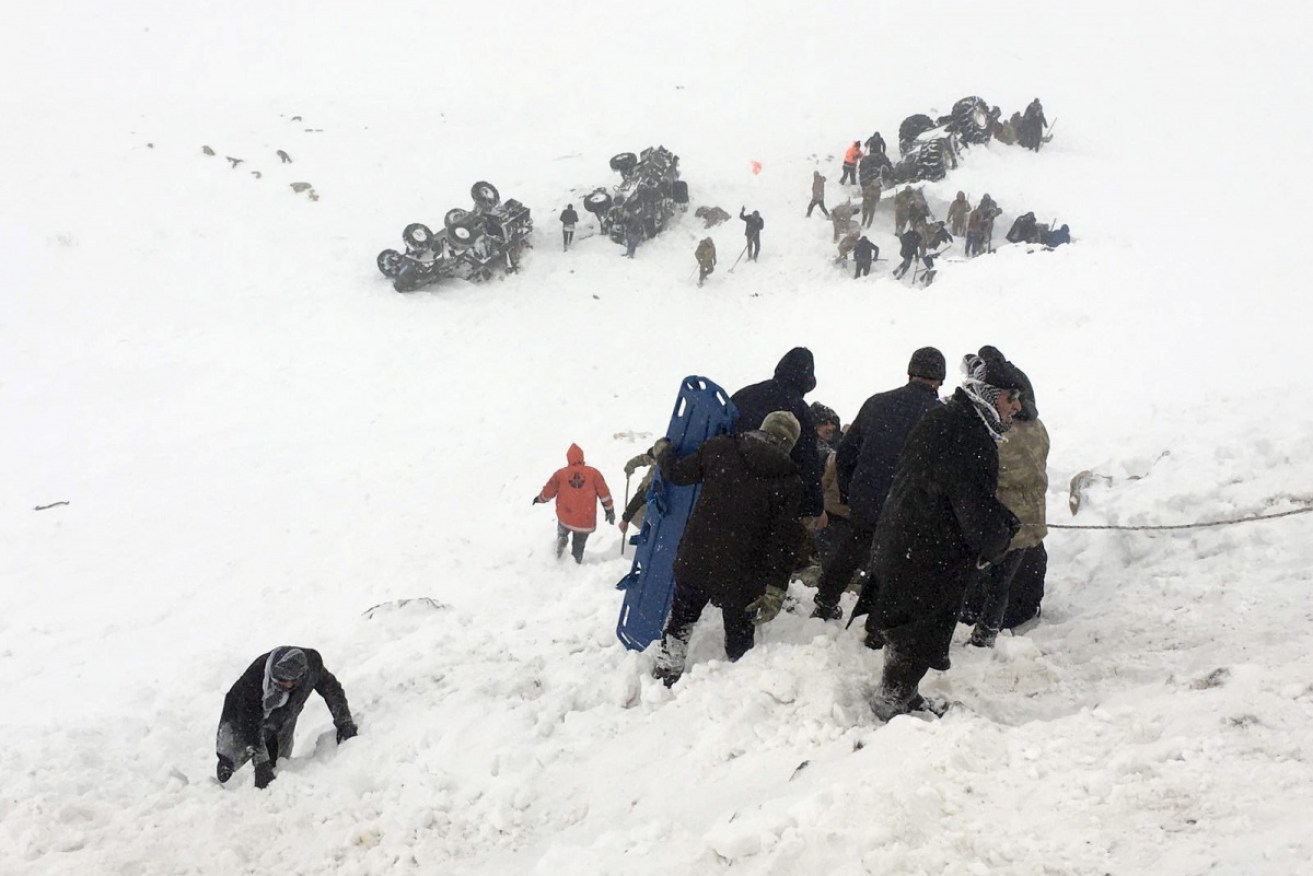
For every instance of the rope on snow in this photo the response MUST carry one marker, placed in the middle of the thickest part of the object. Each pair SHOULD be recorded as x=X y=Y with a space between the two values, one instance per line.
x=1229 y=522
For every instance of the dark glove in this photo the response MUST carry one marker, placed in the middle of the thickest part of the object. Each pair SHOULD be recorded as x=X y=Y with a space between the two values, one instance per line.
x=264 y=774
x=345 y=732
x=538 y=500
x=764 y=608
x=224 y=770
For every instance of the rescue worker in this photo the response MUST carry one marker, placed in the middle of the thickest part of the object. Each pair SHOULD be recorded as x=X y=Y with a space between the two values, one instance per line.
x=706 y=257
x=577 y=489
x=957 y=214
x=818 y=195
x=569 y=219
x=850 y=159
x=870 y=199
x=864 y=253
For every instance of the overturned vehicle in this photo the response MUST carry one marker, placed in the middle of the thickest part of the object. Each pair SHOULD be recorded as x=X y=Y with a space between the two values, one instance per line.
x=930 y=147
x=472 y=244
x=649 y=195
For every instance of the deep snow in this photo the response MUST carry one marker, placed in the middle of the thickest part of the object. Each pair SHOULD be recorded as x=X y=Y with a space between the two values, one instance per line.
x=259 y=440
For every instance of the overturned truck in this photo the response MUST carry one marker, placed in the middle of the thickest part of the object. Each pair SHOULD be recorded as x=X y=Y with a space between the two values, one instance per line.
x=930 y=146
x=472 y=244
x=649 y=195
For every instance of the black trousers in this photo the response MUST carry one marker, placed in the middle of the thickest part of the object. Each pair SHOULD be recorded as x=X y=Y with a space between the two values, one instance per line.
x=863 y=269
x=851 y=552
x=567 y=235
x=849 y=174
x=687 y=607
x=754 y=246
x=817 y=203
x=901 y=679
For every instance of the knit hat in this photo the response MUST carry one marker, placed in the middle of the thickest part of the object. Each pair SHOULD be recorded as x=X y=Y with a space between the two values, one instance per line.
x=289 y=666
x=782 y=425
x=985 y=381
x=823 y=414
x=928 y=363
x=1029 y=410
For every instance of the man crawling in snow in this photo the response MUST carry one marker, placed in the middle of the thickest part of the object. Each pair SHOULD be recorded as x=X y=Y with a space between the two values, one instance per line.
x=260 y=710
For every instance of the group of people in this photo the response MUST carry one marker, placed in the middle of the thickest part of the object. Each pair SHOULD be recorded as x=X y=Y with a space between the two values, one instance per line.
x=936 y=507
x=1025 y=129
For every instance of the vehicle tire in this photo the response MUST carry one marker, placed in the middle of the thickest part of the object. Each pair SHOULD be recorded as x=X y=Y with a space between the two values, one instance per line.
x=390 y=262
x=465 y=232
x=598 y=202
x=930 y=164
x=911 y=128
x=971 y=121
x=417 y=236
x=455 y=216
x=623 y=162
x=485 y=195
x=679 y=191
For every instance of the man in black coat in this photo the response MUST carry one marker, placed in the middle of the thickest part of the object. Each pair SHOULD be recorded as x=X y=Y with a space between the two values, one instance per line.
x=740 y=542
x=795 y=376
x=569 y=219
x=940 y=523
x=864 y=252
x=260 y=710
x=909 y=248
x=865 y=467
x=752 y=226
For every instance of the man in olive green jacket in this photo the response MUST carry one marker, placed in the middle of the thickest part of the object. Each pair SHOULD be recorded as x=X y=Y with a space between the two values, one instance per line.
x=1023 y=484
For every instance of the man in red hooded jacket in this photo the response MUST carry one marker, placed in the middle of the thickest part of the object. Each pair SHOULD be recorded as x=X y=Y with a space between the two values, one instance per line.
x=577 y=489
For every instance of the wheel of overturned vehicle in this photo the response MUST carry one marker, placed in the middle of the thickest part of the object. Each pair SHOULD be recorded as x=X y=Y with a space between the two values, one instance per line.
x=930 y=161
x=597 y=202
x=417 y=235
x=623 y=162
x=463 y=233
x=455 y=216
x=971 y=121
x=485 y=195
x=390 y=262
x=911 y=128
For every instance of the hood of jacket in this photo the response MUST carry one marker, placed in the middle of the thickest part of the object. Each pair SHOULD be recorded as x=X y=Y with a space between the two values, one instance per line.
x=798 y=370
x=765 y=455
x=575 y=455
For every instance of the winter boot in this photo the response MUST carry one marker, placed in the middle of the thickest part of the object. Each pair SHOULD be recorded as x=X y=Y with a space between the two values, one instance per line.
x=888 y=705
x=827 y=611
x=670 y=660
x=933 y=705
x=982 y=636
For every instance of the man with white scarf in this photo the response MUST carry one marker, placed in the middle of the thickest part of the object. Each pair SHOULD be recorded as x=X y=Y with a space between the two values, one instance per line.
x=260 y=710
x=940 y=523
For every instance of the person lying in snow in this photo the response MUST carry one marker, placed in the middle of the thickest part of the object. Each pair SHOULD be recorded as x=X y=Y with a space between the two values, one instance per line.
x=261 y=708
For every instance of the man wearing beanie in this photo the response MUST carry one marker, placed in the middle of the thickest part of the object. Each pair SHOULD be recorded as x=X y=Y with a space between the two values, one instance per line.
x=738 y=548
x=794 y=377
x=865 y=465
x=1008 y=593
x=260 y=710
x=940 y=522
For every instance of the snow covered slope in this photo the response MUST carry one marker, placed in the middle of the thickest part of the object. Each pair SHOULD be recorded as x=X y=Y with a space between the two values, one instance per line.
x=259 y=440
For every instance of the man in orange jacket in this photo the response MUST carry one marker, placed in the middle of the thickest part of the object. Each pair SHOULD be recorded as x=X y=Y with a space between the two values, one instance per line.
x=850 y=159
x=577 y=489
